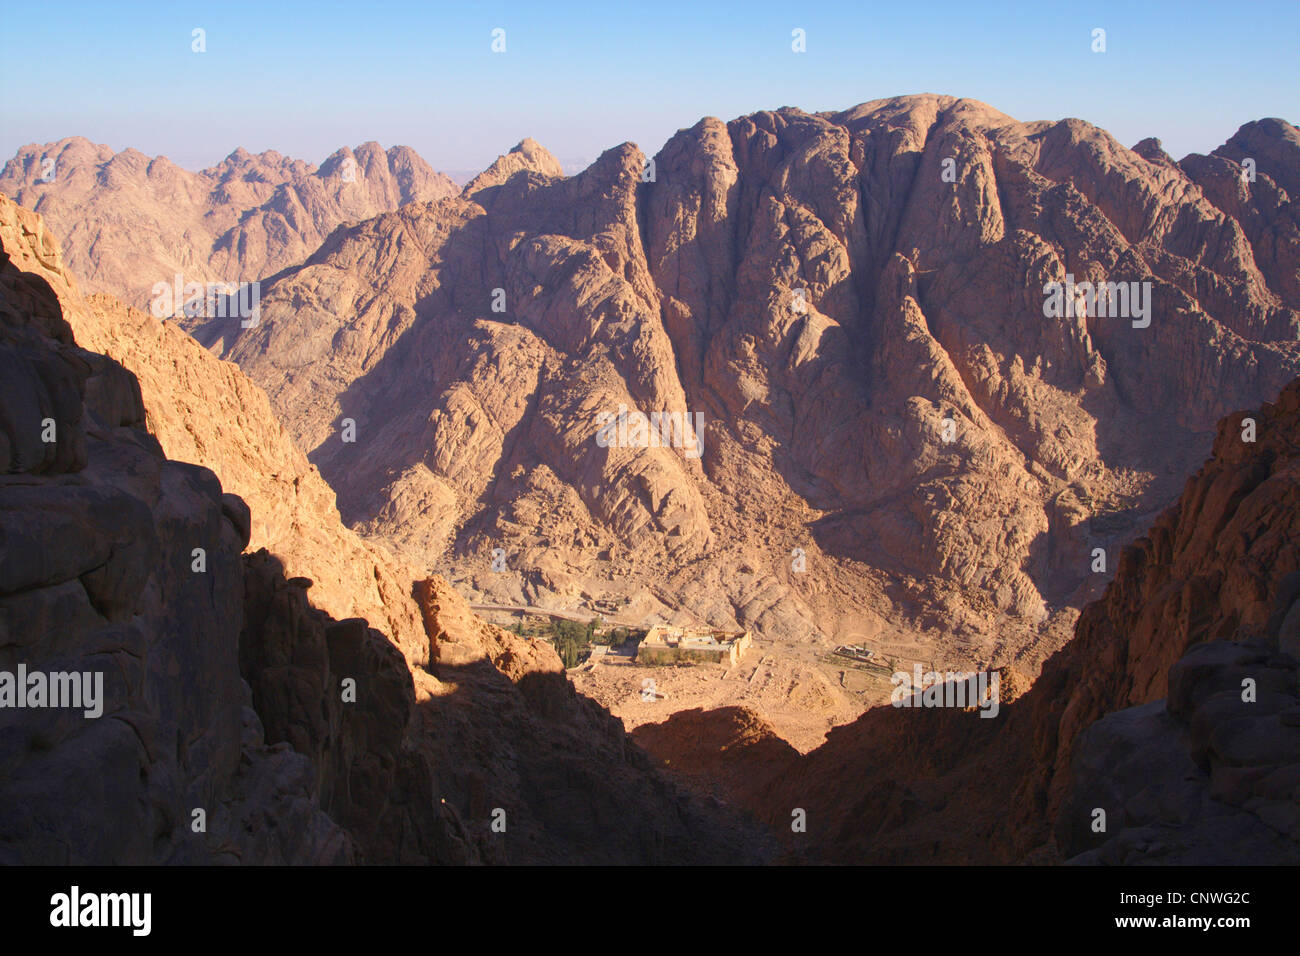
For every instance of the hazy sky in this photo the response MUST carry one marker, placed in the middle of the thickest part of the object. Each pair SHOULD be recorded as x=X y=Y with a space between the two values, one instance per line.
x=307 y=78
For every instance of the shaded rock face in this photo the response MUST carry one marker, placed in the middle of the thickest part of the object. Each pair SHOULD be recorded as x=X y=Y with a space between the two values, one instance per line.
x=205 y=411
x=97 y=576
x=854 y=304
x=128 y=221
x=301 y=737
x=1174 y=710
x=1222 y=566
x=335 y=691
x=1208 y=776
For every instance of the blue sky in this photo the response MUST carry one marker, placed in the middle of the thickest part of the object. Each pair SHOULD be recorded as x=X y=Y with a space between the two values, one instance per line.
x=306 y=78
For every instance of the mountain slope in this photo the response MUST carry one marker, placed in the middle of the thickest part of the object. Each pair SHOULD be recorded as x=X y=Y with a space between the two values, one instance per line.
x=897 y=440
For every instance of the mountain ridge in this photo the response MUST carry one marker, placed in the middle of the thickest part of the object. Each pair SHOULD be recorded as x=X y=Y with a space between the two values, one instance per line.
x=129 y=220
x=922 y=301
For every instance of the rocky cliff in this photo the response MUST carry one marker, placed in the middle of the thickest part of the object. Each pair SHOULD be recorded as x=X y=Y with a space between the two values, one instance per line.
x=1199 y=638
x=1167 y=731
x=128 y=221
x=899 y=432
x=238 y=721
x=121 y=563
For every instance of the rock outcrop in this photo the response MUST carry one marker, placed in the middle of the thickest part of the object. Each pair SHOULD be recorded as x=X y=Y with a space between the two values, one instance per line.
x=206 y=411
x=238 y=722
x=128 y=221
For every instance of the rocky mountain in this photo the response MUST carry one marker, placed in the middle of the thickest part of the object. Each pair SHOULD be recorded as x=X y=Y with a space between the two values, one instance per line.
x=941 y=365
x=128 y=221
x=1174 y=711
x=235 y=720
x=939 y=375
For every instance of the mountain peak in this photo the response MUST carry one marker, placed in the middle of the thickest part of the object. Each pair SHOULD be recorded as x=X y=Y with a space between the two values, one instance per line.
x=527 y=155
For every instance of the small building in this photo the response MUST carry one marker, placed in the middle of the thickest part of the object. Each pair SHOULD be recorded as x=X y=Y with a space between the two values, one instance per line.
x=667 y=644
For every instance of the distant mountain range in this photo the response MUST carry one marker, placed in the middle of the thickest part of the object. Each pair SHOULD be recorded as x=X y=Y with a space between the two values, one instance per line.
x=129 y=221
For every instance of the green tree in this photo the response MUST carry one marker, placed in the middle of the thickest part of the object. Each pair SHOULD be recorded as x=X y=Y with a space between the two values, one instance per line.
x=569 y=651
